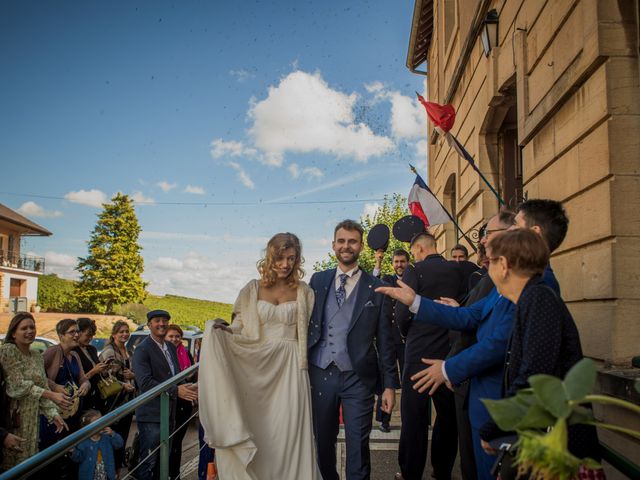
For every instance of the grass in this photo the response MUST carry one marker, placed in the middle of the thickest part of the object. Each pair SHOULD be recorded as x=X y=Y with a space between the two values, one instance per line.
x=189 y=311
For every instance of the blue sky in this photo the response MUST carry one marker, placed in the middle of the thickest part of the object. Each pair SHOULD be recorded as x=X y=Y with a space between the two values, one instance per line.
x=263 y=103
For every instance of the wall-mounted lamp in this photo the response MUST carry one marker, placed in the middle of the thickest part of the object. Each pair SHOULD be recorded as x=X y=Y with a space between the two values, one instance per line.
x=489 y=34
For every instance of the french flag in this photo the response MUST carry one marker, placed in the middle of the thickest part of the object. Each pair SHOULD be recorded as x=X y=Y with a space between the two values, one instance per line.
x=424 y=204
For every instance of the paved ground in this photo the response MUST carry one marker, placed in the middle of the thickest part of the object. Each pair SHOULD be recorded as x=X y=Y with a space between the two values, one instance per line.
x=384 y=453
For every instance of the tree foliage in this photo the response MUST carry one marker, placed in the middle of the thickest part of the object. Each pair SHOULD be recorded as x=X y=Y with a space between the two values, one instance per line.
x=57 y=294
x=392 y=209
x=111 y=274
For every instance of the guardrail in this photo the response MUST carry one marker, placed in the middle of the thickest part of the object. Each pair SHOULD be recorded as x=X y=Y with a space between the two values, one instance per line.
x=43 y=458
x=11 y=259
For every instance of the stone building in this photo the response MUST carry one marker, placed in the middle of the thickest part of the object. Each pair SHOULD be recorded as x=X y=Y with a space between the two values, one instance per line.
x=547 y=98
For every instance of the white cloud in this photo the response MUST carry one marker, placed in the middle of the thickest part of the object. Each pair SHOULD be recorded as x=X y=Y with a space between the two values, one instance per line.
x=221 y=148
x=303 y=114
x=294 y=170
x=340 y=182
x=166 y=186
x=374 y=87
x=61 y=264
x=243 y=176
x=32 y=209
x=140 y=199
x=92 y=198
x=241 y=75
x=370 y=210
x=422 y=150
x=308 y=172
x=194 y=190
x=199 y=276
x=408 y=119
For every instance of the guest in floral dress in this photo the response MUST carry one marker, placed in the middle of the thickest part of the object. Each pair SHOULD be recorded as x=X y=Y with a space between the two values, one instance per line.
x=27 y=388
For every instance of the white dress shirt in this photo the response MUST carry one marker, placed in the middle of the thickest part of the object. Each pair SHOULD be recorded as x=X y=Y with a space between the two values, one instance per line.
x=353 y=276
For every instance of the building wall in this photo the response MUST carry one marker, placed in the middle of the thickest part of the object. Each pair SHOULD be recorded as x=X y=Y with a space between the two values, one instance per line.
x=5 y=284
x=572 y=69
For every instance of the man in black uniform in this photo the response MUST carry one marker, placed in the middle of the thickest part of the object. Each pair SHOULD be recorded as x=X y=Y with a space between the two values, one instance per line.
x=433 y=277
x=399 y=261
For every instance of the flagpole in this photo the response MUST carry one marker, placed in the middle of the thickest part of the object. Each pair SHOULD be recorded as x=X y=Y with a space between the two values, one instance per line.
x=477 y=169
x=464 y=235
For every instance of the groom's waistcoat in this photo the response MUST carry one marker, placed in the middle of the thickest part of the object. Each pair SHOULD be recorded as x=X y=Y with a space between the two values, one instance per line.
x=332 y=346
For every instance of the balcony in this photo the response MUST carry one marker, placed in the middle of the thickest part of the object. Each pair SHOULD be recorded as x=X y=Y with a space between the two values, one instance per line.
x=11 y=259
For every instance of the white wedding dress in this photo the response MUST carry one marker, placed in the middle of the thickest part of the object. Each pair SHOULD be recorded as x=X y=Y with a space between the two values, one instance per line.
x=255 y=400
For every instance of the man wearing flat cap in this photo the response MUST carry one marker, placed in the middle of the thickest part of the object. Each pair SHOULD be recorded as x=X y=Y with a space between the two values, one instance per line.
x=154 y=362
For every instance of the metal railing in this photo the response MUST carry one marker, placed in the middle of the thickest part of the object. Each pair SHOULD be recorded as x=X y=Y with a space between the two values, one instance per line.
x=43 y=458
x=11 y=259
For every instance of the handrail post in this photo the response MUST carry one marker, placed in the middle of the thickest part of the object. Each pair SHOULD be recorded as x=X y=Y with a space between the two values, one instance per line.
x=164 y=435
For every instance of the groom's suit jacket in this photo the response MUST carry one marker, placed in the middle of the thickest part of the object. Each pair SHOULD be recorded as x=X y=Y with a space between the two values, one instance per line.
x=369 y=333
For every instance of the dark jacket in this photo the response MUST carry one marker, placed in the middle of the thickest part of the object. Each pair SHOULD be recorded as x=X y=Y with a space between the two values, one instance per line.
x=369 y=333
x=544 y=340
x=151 y=369
x=389 y=311
x=432 y=278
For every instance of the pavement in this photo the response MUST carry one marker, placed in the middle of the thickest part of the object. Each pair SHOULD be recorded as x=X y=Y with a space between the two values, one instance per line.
x=384 y=452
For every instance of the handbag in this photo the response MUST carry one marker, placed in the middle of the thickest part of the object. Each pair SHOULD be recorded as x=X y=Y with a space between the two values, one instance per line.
x=71 y=389
x=108 y=386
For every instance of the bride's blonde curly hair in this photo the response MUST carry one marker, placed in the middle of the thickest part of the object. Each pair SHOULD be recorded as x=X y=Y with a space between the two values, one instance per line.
x=275 y=248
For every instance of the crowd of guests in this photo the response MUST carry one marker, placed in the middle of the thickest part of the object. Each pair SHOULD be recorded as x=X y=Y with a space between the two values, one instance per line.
x=45 y=397
x=508 y=322
x=461 y=332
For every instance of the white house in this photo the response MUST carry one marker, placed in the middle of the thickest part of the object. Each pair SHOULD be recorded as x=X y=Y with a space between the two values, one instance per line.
x=18 y=273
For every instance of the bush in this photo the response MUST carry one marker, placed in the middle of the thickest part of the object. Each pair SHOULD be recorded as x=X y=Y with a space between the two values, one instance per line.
x=133 y=311
x=57 y=294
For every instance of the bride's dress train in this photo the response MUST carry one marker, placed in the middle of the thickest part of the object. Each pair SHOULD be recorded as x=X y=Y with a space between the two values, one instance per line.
x=255 y=400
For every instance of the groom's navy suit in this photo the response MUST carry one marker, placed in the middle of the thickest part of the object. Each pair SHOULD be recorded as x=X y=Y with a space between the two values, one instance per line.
x=344 y=344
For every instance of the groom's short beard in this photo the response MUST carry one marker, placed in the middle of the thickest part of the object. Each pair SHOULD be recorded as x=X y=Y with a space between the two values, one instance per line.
x=354 y=260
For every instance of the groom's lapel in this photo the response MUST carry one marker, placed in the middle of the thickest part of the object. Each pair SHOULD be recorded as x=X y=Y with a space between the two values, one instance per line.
x=363 y=292
x=324 y=290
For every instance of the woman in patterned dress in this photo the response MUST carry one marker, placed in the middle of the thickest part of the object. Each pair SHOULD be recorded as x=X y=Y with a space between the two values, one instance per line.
x=27 y=388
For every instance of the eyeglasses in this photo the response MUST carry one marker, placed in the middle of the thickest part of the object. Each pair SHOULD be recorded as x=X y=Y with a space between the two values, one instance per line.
x=488 y=232
x=72 y=332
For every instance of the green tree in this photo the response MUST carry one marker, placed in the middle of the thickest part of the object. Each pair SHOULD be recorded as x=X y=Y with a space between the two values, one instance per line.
x=392 y=209
x=111 y=274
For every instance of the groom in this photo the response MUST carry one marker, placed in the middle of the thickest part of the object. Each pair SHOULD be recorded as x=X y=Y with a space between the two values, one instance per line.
x=347 y=332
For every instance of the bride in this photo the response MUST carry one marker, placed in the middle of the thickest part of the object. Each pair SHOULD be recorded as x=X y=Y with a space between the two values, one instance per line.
x=255 y=401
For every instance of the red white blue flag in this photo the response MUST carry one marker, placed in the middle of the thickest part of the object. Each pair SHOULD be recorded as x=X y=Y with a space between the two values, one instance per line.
x=424 y=204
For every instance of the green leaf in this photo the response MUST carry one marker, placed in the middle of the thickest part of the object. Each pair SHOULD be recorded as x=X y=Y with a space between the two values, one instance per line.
x=580 y=380
x=551 y=394
x=580 y=415
x=507 y=412
x=536 y=417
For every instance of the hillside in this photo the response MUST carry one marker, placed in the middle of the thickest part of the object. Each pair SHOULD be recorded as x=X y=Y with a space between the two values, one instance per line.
x=57 y=295
x=189 y=311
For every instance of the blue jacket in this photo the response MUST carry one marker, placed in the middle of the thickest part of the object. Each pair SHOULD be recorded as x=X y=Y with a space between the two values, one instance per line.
x=369 y=334
x=86 y=454
x=481 y=363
